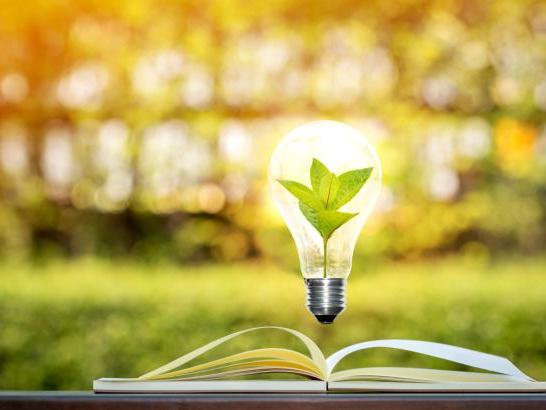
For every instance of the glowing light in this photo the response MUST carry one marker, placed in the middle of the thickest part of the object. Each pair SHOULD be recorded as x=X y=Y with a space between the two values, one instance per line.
x=119 y=185
x=153 y=72
x=250 y=65
x=443 y=183
x=83 y=87
x=57 y=157
x=439 y=92
x=338 y=80
x=324 y=255
x=14 y=87
x=111 y=157
x=198 y=89
x=168 y=64
x=171 y=159
x=235 y=143
x=211 y=198
x=235 y=186
x=380 y=72
x=341 y=148
x=14 y=150
x=111 y=152
x=506 y=90
x=475 y=138
x=439 y=148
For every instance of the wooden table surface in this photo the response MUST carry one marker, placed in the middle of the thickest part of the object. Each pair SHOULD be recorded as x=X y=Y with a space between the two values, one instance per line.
x=87 y=400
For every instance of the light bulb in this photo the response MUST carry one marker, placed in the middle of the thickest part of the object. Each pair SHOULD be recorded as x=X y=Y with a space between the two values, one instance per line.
x=321 y=175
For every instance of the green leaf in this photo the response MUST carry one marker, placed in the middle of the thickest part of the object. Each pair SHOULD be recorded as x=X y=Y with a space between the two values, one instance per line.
x=302 y=193
x=330 y=221
x=318 y=171
x=325 y=222
x=311 y=215
x=349 y=184
x=328 y=188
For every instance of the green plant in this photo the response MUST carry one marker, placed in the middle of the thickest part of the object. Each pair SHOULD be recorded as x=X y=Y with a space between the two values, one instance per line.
x=320 y=204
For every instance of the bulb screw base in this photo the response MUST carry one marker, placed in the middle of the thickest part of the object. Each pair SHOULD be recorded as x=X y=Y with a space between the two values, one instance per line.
x=325 y=298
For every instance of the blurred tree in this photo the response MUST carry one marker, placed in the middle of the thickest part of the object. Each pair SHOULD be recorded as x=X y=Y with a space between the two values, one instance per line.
x=144 y=128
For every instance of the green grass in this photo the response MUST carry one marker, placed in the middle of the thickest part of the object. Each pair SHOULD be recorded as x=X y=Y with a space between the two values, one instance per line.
x=64 y=323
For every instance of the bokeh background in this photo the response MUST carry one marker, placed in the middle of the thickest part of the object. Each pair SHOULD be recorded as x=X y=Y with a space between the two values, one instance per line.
x=135 y=221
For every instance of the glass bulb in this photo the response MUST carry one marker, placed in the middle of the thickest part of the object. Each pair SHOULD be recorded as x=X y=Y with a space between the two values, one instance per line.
x=325 y=264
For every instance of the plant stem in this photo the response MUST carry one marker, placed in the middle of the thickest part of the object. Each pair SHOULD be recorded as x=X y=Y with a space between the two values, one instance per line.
x=325 y=258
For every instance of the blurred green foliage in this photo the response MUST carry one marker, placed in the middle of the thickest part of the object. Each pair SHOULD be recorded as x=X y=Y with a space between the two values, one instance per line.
x=144 y=128
x=63 y=324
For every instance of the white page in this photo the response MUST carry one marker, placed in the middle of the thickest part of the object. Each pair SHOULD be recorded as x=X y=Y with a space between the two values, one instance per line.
x=455 y=354
x=501 y=387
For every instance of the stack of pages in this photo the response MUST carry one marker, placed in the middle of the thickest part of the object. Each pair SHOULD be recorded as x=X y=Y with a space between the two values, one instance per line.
x=498 y=373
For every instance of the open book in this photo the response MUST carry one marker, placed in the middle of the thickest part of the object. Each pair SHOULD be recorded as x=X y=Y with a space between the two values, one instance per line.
x=498 y=373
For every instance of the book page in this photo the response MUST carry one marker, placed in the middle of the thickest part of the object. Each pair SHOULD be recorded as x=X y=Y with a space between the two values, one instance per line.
x=454 y=354
x=454 y=387
x=229 y=369
x=214 y=386
x=293 y=361
x=417 y=375
x=288 y=358
x=238 y=372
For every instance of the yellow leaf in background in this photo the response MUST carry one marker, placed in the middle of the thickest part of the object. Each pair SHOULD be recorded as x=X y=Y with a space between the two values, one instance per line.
x=515 y=143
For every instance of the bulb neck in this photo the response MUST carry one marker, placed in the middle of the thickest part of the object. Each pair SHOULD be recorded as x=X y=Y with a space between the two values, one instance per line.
x=325 y=298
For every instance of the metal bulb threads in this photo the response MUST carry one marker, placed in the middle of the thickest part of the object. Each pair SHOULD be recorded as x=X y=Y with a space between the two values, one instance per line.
x=325 y=298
